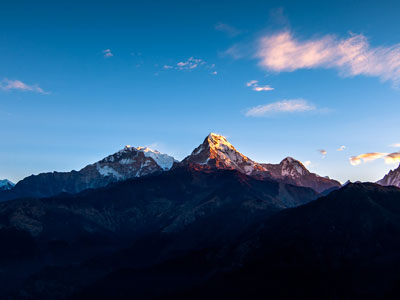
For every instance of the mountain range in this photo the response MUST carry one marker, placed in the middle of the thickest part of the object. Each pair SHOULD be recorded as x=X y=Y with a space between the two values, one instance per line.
x=139 y=224
x=214 y=153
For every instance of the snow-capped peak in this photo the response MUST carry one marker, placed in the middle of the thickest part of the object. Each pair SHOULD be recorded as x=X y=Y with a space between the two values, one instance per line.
x=163 y=160
x=292 y=167
x=217 y=152
x=6 y=184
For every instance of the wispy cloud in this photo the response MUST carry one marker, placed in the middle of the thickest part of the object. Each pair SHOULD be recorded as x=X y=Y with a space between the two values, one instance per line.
x=252 y=83
x=107 y=53
x=341 y=148
x=228 y=29
x=351 y=56
x=7 y=84
x=395 y=145
x=190 y=64
x=255 y=87
x=366 y=157
x=284 y=106
x=323 y=152
x=392 y=158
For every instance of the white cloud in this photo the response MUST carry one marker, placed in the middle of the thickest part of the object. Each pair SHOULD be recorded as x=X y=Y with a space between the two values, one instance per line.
x=190 y=63
x=351 y=56
x=255 y=87
x=341 y=148
x=228 y=29
x=307 y=163
x=262 y=88
x=7 y=84
x=252 y=83
x=284 y=106
x=395 y=145
x=214 y=73
x=107 y=53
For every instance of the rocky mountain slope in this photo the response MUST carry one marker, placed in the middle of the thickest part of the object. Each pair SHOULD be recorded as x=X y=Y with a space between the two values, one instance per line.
x=127 y=163
x=392 y=178
x=343 y=246
x=293 y=171
x=203 y=208
x=217 y=153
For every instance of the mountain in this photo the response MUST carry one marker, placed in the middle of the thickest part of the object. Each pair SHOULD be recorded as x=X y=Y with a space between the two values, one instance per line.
x=342 y=246
x=293 y=171
x=184 y=209
x=129 y=162
x=392 y=178
x=217 y=153
x=6 y=184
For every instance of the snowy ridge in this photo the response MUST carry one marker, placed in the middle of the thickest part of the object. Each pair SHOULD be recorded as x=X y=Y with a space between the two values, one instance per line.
x=6 y=184
x=163 y=160
x=133 y=162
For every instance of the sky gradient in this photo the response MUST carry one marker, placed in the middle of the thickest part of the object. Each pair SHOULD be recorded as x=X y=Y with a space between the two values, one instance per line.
x=316 y=80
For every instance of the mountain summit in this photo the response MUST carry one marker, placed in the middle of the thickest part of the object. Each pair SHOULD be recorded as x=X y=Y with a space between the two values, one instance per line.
x=392 y=178
x=217 y=152
x=130 y=162
x=6 y=184
x=293 y=171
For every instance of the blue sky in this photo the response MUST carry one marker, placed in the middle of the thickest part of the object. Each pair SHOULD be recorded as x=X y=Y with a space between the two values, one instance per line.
x=78 y=81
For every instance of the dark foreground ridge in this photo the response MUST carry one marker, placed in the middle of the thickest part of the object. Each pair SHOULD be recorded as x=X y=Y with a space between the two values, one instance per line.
x=155 y=218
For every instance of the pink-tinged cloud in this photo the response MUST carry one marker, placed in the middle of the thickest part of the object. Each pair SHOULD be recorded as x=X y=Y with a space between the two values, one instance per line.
x=392 y=158
x=323 y=152
x=366 y=157
x=351 y=56
x=341 y=148
x=395 y=145
x=7 y=84
x=307 y=163
x=284 y=106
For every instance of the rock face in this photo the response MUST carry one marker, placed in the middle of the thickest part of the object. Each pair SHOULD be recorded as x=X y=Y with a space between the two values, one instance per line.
x=392 y=178
x=6 y=184
x=293 y=171
x=217 y=153
x=129 y=162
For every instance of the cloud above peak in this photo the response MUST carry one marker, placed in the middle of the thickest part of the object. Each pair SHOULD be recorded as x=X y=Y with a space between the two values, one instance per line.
x=389 y=158
x=351 y=56
x=284 y=106
x=7 y=85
